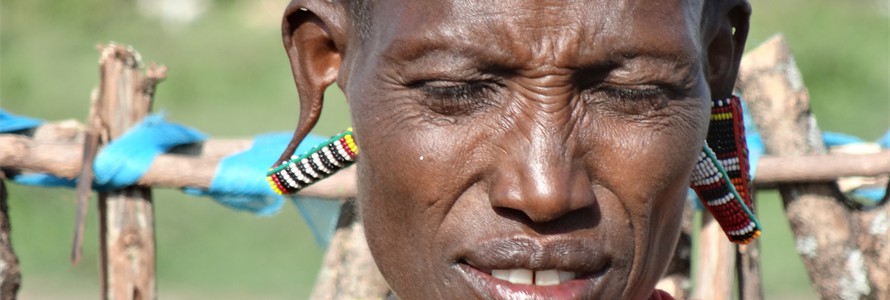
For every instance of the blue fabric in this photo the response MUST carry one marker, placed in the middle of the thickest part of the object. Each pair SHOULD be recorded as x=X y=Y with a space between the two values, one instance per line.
x=44 y=180
x=321 y=215
x=834 y=139
x=10 y=122
x=240 y=183
x=240 y=180
x=884 y=141
x=756 y=148
x=245 y=173
x=872 y=195
x=127 y=158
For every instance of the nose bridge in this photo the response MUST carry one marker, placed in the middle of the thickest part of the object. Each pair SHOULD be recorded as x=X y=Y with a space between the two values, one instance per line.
x=541 y=177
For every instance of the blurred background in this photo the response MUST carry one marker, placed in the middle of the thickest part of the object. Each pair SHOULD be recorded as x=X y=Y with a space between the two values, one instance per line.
x=229 y=77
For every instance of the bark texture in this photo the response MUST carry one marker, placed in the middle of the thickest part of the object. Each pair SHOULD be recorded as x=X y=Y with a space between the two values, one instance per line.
x=349 y=271
x=126 y=216
x=844 y=247
x=10 y=277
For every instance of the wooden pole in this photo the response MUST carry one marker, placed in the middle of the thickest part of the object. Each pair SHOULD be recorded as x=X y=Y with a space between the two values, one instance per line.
x=716 y=262
x=845 y=249
x=748 y=265
x=126 y=217
x=195 y=165
x=348 y=270
x=10 y=277
x=677 y=281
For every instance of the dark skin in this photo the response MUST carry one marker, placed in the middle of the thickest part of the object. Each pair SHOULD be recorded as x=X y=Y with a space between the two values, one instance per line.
x=532 y=135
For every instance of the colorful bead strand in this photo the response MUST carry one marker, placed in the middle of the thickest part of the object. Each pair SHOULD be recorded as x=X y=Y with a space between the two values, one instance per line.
x=720 y=178
x=318 y=163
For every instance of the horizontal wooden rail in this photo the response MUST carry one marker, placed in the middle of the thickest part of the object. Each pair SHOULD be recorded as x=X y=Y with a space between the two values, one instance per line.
x=55 y=151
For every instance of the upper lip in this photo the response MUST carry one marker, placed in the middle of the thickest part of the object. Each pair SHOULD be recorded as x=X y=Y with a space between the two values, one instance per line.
x=524 y=252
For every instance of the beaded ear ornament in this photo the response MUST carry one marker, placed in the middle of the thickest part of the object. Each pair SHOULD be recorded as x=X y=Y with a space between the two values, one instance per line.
x=318 y=163
x=720 y=178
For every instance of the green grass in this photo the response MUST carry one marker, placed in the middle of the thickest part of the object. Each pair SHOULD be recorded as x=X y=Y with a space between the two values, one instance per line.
x=843 y=51
x=229 y=77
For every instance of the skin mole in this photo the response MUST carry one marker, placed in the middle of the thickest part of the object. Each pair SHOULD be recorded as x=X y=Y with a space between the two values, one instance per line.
x=556 y=138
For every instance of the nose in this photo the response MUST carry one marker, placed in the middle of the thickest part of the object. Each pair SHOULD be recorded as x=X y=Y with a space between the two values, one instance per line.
x=540 y=179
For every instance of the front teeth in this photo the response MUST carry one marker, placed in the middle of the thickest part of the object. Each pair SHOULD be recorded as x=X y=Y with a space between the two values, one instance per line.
x=526 y=276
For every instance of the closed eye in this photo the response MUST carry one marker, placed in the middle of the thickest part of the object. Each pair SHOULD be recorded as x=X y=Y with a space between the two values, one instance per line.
x=637 y=93
x=631 y=100
x=454 y=97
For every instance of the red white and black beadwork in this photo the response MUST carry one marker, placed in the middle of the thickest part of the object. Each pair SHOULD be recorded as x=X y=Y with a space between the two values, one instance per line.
x=320 y=162
x=720 y=178
x=726 y=136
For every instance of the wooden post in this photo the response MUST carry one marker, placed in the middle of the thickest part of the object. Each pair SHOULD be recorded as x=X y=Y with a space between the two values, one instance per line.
x=349 y=271
x=748 y=265
x=748 y=271
x=844 y=248
x=716 y=262
x=10 y=278
x=126 y=217
x=676 y=281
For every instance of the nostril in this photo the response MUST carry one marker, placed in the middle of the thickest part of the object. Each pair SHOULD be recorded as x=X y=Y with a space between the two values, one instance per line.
x=513 y=214
x=541 y=195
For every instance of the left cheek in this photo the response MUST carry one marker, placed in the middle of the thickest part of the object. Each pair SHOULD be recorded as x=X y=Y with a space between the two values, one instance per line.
x=659 y=197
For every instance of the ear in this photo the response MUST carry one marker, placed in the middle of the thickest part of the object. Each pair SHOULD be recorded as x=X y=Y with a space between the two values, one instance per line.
x=726 y=30
x=315 y=39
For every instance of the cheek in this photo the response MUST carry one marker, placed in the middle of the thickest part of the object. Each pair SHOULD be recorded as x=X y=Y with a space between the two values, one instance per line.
x=410 y=173
x=647 y=167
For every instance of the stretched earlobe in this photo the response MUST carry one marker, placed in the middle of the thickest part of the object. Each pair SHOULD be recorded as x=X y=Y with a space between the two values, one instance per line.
x=313 y=34
x=726 y=45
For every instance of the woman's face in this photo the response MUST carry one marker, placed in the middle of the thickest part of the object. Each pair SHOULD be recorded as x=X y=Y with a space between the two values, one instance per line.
x=526 y=149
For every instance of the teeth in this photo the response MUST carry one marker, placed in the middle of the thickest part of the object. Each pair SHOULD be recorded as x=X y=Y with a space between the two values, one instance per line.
x=566 y=276
x=526 y=276
x=521 y=276
x=547 y=277
x=501 y=274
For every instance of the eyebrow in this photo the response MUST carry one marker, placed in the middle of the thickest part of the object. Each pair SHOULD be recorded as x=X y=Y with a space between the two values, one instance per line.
x=412 y=50
x=430 y=50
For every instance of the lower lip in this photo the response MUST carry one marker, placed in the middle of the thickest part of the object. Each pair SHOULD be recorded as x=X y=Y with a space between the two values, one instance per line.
x=579 y=288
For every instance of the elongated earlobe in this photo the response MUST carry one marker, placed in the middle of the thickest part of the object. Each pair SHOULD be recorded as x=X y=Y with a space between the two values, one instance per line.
x=313 y=38
x=728 y=31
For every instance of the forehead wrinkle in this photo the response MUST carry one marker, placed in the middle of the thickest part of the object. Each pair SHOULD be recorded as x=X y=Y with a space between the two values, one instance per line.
x=674 y=36
x=497 y=35
x=552 y=33
x=415 y=37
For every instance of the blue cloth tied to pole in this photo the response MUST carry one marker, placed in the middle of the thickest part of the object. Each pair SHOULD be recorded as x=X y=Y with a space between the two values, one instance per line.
x=240 y=183
x=126 y=159
x=12 y=123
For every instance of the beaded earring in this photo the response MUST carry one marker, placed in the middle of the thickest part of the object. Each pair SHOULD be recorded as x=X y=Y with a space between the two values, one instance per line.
x=721 y=178
x=323 y=160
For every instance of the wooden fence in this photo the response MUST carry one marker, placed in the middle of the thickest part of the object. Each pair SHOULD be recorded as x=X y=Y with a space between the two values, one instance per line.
x=852 y=259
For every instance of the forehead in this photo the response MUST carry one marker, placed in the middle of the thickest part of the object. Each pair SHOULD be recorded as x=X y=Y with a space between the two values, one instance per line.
x=562 y=33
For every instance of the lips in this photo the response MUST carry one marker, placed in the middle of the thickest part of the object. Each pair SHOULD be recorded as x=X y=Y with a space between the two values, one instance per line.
x=528 y=268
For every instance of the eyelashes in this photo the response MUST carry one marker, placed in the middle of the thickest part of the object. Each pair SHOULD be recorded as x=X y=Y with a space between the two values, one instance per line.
x=637 y=93
x=454 y=98
x=457 y=92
